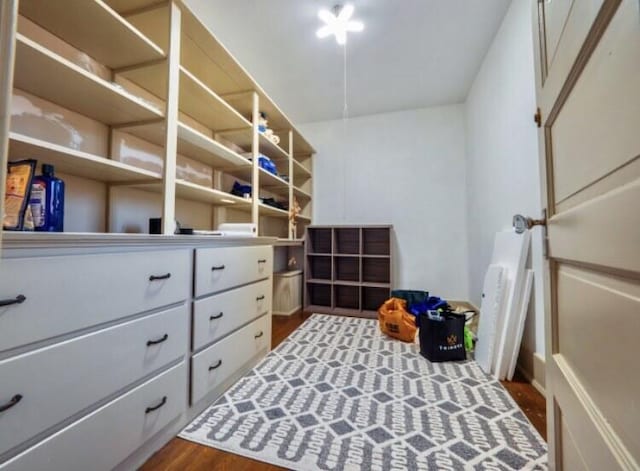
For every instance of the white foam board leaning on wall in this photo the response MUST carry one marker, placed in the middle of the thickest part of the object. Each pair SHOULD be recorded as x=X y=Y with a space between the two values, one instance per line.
x=490 y=311
x=513 y=342
x=509 y=250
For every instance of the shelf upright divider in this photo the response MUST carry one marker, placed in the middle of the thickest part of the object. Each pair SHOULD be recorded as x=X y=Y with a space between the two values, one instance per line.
x=255 y=153
x=361 y=268
x=171 y=121
x=292 y=232
x=8 y=25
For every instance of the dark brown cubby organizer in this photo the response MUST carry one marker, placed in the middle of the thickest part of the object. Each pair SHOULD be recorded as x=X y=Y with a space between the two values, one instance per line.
x=319 y=241
x=319 y=267
x=347 y=297
x=372 y=298
x=348 y=269
x=319 y=294
x=347 y=241
x=376 y=241
x=376 y=270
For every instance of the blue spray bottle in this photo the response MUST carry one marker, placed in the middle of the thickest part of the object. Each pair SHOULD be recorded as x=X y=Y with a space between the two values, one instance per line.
x=47 y=201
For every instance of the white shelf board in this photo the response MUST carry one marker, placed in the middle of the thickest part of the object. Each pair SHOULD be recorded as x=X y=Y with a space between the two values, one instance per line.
x=300 y=144
x=208 y=54
x=93 y=27
x=207 y=58
x=274 y=184
x=75 y=162
x=301 y=194
x=266 y=210
x=125 y=6
x=195 y=98
x=281 y=242
x=303 y=218
x=275 y=118
x=47 y=75
x=300 y=170
x=244 y=139
x=287 y=273
x=192 y=144
x=194 y=192
x=268 y=181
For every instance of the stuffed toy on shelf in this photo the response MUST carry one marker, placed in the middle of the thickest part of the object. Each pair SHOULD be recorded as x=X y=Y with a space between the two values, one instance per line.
x=263 y=127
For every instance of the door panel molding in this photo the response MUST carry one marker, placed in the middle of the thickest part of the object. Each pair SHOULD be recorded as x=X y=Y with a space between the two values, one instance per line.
x=601 y=231
x=582 y=151
x=571 y=456
x=579 y=26
x=620 y=176
x=556 y=15
x=586 y=422
x=585 y=298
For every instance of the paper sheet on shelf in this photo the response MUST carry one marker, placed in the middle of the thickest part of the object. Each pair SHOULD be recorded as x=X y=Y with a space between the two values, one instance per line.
x=510 y=250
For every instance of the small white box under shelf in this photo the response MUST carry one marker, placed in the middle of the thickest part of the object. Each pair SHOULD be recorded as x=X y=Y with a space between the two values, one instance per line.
x=287 y=292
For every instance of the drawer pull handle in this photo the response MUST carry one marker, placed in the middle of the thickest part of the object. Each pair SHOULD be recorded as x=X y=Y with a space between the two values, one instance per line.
x=217 y=316
x=160 y=277
x=262 y=261
x=257 y=336
x=260 y=298
x=216 y=366
x=14 y=400
x=221 y=267
x=151 y=409
x=17 y=300
x=156 y=342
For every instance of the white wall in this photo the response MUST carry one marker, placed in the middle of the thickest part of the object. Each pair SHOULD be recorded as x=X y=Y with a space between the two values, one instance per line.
x=406 y=169
x=502 y=156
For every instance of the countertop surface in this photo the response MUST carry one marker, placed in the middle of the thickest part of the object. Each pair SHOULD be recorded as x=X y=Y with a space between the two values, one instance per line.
x=16 y=243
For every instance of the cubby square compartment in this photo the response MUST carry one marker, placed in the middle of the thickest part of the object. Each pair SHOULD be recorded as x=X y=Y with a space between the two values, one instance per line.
x=376 y=241
x=347 y=297
x=319 y=240
x=373 y=298
x=376 y=270
x=320 y=267
x=319 y=295
x=347 y=240
x=347 y=268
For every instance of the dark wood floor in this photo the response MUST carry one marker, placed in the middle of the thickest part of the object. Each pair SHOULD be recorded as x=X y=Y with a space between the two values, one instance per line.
x=183 y=455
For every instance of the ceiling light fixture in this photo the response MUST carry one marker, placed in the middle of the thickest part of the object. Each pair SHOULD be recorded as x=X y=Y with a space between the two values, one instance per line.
x=338 y=23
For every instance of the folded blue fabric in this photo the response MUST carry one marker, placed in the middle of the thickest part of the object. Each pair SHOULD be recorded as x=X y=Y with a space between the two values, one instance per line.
x=432 y=303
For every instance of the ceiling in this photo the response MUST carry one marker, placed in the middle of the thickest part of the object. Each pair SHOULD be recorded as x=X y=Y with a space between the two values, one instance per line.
x=411 y=54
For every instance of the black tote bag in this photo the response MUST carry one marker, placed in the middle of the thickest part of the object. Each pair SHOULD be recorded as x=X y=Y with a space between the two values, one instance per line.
x=442 y=340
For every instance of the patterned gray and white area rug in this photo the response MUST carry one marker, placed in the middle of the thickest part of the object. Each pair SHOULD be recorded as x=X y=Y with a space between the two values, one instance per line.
x=339 y=395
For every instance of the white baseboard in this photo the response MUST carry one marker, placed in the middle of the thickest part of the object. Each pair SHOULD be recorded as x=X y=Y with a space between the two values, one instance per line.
x=533 y=369
x=289 y=313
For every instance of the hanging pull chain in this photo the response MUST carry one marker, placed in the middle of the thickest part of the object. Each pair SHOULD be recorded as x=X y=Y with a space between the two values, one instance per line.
x=345 y=108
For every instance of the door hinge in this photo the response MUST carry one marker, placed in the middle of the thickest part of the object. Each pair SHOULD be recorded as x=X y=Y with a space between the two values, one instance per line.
x=545 y=247
x=538 y=117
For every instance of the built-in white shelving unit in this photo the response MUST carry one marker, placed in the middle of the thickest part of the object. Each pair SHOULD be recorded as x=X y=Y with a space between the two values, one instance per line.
x=160 y=116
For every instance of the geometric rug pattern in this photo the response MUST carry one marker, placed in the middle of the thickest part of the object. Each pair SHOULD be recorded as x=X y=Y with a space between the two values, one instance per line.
x=340 y=395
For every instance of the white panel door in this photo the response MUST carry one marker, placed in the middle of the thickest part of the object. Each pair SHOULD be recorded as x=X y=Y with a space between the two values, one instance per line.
x=589 y=99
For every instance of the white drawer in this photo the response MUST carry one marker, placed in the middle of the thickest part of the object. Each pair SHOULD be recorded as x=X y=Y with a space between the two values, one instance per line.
x=223 y=268
x=217 y=315
x=107 y=436
x=58 y=381
x=211 y=367
x=68 y=293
